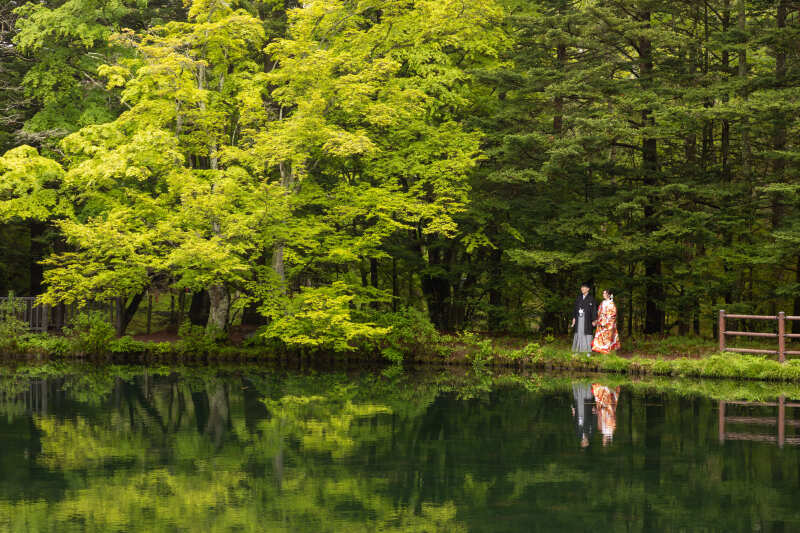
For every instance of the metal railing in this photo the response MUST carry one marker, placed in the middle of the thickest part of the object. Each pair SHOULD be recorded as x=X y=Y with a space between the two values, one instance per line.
x=781 y=334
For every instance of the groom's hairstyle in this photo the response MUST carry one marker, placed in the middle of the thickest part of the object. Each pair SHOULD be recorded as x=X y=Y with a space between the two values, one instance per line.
x=586 y=284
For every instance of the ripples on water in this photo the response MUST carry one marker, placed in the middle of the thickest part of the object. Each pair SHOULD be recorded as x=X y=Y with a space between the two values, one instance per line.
x=134 y=449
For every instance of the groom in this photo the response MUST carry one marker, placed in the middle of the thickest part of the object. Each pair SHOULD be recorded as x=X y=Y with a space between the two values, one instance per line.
x=585 y=314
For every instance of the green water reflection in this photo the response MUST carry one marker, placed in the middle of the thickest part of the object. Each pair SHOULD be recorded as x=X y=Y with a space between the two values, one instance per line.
x=237 y=449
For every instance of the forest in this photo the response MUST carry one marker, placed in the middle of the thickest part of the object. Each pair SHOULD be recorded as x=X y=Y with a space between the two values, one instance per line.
x=321 y=169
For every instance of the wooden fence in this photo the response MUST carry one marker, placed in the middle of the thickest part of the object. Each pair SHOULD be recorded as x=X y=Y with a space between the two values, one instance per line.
x=25 y=309
x=779 y=436
x=41 y=318
x=781 y=334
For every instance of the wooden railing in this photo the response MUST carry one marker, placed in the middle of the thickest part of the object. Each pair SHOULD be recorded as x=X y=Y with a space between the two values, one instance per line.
x=779 y=437
x=781 y=334
x=25 y=309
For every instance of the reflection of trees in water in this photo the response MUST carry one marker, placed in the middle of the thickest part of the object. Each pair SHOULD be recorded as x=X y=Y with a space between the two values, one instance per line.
x=172 y=453
x=334 y=453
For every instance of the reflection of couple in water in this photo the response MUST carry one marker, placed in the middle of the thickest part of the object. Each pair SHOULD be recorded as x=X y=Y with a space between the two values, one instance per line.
x=590 y=400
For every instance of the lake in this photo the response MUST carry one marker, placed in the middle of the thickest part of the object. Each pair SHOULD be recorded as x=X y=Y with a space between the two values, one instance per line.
x=242 y=448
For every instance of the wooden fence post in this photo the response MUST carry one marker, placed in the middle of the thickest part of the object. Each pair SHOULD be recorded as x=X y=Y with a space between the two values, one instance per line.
x=721 y=421
x=781 y=336
x=721 y=330
x=45 y=318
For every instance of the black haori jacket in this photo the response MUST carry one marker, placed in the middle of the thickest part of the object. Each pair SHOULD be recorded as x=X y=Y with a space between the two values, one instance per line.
x=590 y=313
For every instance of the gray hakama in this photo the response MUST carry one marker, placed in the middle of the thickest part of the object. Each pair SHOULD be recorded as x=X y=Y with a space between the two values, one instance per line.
x=581 y=342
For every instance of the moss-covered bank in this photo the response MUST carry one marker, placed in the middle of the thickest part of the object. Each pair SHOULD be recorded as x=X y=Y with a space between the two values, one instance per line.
x=673 y=357
x=718 y=365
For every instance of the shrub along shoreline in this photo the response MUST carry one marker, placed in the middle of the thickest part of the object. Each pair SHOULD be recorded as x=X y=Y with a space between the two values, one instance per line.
x=410 y=338
x=467 y=350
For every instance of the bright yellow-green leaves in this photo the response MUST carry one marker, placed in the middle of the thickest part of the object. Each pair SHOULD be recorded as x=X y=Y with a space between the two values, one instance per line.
x=68 y=43
x=365 y=95
x=319 y=146
x=320 y=317
x=162 y=191
x=29 y=186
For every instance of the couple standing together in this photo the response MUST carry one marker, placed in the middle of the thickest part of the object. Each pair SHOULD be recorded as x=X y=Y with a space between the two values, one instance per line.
x=587 y=315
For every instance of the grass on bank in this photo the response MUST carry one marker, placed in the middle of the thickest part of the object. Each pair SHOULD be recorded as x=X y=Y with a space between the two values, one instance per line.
x=410 y=339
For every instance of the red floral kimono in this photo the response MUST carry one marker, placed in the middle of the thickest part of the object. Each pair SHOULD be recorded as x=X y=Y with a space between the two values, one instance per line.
x=606 y=338
x=606 y=402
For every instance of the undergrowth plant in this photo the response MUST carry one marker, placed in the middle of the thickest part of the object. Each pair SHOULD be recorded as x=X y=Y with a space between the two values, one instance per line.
x=12 y=329
x=90 y=333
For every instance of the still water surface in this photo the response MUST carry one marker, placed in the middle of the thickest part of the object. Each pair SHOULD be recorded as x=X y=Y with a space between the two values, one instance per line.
x=237 y=449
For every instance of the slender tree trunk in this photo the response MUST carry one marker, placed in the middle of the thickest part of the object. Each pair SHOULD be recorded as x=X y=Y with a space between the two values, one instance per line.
x=436 y=288
x=395 y=285
x=373 y=277
x=708 y=125
x=495 y=318
x=725 y=141
x=558 y=101
x=125 y=312
x=654 y=291
x=287 y=183
x=742 y=27
x=796 y=312
x=37 y=253
x=779 y=134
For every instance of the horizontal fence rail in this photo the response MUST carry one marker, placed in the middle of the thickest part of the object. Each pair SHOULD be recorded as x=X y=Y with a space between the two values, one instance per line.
x=781 y=334
x=25 y=309
x=42 y=318
x=778 y=421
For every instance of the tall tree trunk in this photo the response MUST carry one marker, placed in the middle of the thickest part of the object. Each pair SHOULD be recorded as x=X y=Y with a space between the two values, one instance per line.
x=779 y=133
x=395 y=285
x=558 y=101
x=199 y=308
x=219 y=303
x=287 y=183
x=708 y=124
x=37 y=253
x=796 y=312
x=654 y=291
x=436 y=288
x=373 y=277
x=125 y=312
x=742 y=27
x=495 y=318
x=725 y=141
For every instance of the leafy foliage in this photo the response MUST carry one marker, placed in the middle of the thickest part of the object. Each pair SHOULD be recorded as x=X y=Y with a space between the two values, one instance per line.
x=90 y=333
x=328 y=163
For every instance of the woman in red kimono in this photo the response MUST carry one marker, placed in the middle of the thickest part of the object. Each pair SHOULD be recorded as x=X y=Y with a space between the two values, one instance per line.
x=606 y=338
x=606 y=401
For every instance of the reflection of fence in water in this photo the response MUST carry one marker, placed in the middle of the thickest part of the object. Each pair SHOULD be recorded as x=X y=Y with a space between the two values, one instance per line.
x=37 y=396
x=779 y=420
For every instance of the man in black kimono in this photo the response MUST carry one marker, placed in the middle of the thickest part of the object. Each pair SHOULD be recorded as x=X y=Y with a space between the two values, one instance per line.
x=584 y=318
x=583 y=410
